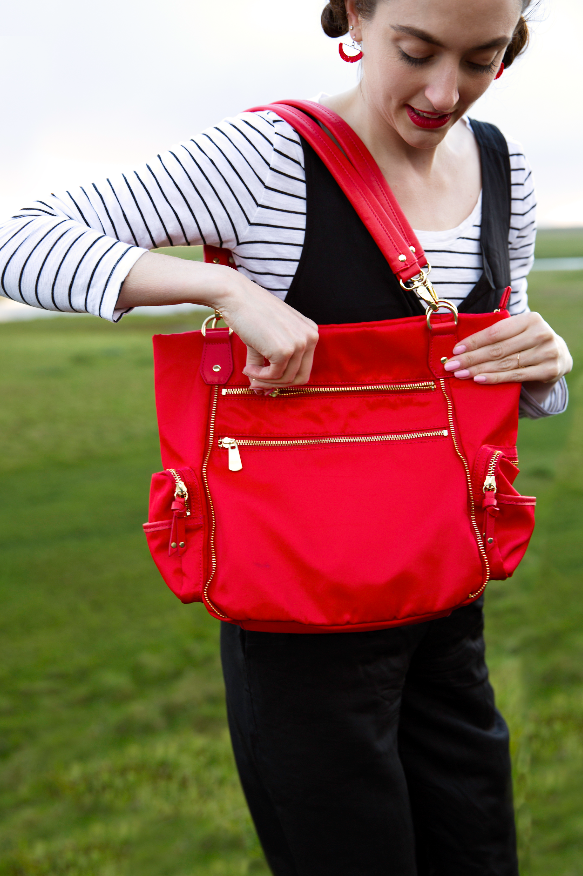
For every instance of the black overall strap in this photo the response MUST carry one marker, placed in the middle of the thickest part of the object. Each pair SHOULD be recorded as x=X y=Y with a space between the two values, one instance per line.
x=496 y=206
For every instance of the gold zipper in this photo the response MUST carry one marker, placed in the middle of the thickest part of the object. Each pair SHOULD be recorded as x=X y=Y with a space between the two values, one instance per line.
x=475 y=526
x=211 y=438
x=421 y=386
x=233 y=444
x=490 y=480
x=181 y=490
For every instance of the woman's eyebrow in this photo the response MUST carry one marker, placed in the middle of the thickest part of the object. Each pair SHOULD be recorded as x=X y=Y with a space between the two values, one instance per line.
x=497 y=43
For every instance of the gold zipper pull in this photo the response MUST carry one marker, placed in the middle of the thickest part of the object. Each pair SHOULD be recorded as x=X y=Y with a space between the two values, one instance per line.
x=490 y=484
x=181 y=491
x=231 y=445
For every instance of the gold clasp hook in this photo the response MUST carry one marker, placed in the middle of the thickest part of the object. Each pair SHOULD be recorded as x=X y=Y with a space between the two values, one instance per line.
x=423 y=288
x=214 y=318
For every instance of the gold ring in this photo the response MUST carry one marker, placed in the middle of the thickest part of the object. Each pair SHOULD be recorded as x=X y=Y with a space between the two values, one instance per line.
x=213 y=318
x=518 y=360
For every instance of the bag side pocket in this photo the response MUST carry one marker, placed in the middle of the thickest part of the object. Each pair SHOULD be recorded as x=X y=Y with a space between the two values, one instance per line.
x=506 y=517
x=175 y=531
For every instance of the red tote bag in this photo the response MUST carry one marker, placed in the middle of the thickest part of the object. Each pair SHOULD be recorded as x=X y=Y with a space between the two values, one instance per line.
x=378 y=494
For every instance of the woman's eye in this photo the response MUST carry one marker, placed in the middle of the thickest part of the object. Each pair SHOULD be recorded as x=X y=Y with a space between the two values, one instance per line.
x=483 y=68
x=414 y=62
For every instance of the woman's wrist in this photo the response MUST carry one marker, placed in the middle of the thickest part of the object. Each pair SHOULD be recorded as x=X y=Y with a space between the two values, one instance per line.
x=158 y=279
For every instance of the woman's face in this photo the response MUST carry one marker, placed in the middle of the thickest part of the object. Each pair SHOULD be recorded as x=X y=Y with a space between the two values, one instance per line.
x=427 y=61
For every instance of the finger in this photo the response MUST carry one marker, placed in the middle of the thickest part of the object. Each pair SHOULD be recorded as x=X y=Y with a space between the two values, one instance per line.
x=501 y=357
x=519 y=375
x=535 y=336
x=494 y=334
x=541 y=364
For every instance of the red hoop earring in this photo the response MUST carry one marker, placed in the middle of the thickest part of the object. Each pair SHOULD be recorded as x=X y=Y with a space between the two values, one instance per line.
x=350 y=59
x=500 y=71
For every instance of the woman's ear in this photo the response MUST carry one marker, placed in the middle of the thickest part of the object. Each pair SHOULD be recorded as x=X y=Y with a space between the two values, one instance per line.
x=355 y=31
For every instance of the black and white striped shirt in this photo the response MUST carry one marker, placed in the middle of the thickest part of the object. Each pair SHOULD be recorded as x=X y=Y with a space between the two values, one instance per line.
x=239 y=185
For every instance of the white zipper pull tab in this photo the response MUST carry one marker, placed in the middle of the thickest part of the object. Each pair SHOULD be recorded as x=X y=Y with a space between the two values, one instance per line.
x=231 y=445
x=490 y=484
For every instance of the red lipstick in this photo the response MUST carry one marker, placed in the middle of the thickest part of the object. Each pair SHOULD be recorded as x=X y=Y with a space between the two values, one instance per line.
x=434 y=120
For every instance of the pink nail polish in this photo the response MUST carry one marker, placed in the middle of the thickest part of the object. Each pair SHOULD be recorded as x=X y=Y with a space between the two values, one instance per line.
x=463 y=373
x=480 y=378
x=459 y=349
x=451 y=366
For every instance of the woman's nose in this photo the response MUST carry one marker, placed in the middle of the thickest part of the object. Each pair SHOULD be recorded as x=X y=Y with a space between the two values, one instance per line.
x=442 y=91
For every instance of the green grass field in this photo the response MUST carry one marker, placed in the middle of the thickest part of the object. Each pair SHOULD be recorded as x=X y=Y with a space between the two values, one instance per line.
x=114 y=757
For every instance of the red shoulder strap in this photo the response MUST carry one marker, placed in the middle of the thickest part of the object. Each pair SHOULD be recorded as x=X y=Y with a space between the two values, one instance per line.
x=358 y=175
x=363 y=162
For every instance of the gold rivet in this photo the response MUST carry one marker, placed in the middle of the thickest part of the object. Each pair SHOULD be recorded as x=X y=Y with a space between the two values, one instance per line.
x=490 y=540
x=182 y=543
x=231 y=260
x=443 y=360
x=216 y=261
x=173 y=545
x=216 y=367
x=402 y=258
x=412 y=248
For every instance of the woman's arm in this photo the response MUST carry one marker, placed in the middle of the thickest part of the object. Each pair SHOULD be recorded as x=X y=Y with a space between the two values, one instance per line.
x=269 y=327
x=73 y=251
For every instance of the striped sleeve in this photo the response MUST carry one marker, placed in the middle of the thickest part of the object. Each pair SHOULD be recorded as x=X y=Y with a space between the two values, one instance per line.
x=239 y=185
x=522 y=233
x=521 y=243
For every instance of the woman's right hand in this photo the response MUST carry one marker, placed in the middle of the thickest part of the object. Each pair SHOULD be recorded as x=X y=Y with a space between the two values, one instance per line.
x=272 y=331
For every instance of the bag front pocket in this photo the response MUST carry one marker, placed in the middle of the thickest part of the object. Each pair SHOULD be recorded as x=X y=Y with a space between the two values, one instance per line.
x=506 y=518
x=175 y=531
x=340 y=530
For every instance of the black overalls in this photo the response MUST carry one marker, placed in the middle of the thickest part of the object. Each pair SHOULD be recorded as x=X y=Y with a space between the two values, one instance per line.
x=377 y=753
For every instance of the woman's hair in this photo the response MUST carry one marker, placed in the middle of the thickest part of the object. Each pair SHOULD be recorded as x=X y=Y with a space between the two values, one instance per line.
x=335 y=24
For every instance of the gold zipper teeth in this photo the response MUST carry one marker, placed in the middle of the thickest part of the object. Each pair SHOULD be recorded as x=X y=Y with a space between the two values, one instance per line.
x=427 y=386
x=181 y=489
x=493 y=464
x=353 y=439
x=475 y=526
x=211 y=438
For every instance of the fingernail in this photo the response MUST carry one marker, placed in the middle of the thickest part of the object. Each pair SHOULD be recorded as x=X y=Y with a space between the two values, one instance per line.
x=480 y=378
x=258 y=391
x=463 y=373
x=459 y=349
x=451 y=366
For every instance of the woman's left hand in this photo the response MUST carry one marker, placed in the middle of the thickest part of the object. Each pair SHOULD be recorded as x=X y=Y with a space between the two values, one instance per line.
x=521 y=349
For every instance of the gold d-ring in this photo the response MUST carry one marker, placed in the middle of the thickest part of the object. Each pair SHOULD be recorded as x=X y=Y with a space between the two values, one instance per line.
x=214 y=318
x=433 y=309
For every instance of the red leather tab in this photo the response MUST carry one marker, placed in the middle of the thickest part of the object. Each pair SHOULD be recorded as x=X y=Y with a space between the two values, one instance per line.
x=177 y=534
x=505 y=298
x=216 y=256
x=444 y=337
x=490 y=502
x=216 y=365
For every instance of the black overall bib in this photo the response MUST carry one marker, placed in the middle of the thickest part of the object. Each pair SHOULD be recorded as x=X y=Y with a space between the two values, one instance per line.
x=377 y=753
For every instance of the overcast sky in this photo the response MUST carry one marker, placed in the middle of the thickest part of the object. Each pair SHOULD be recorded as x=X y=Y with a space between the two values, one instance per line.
x=90 y=88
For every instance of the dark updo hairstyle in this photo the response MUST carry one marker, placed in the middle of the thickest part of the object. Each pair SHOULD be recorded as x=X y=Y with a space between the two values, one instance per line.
x=335 y=24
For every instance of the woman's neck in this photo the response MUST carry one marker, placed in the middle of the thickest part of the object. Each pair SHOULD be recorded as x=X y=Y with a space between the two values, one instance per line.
x=437 y=188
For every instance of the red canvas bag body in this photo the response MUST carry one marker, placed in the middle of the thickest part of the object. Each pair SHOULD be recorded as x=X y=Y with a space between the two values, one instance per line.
x=378 y=494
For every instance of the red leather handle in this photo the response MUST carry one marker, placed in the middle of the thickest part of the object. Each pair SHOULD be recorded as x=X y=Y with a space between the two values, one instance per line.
x=364 y=163
x=357 y=173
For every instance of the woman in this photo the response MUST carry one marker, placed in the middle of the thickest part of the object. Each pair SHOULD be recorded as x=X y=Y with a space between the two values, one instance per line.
x=363 y=753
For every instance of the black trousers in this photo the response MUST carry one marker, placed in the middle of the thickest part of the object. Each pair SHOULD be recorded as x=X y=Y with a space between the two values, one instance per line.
x=373 y=754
